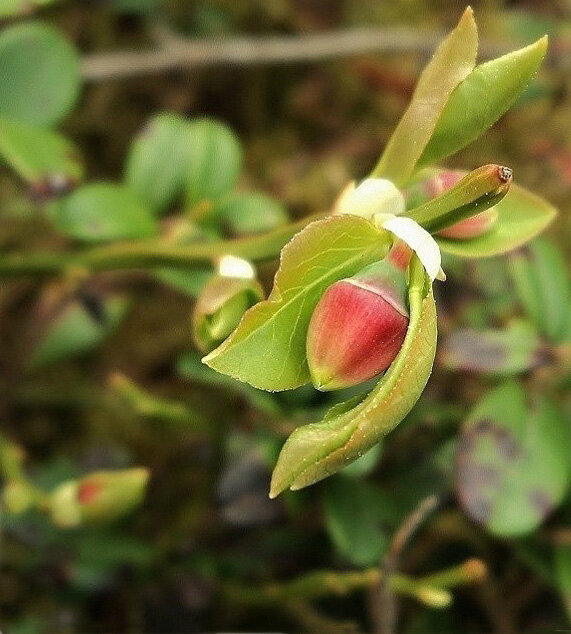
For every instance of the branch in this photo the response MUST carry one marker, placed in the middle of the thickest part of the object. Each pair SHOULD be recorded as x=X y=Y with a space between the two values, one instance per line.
x=386 y=617
x=323 y=583
x=150 y=254
x=176 y=53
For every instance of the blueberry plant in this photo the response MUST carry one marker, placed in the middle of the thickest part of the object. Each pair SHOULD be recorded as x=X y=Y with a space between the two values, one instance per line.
x=336 y=317
x=350 y=323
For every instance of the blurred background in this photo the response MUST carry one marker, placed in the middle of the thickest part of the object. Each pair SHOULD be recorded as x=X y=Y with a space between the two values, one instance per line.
x=99 y=373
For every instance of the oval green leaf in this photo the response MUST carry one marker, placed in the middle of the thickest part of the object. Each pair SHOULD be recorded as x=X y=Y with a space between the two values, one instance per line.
x=316 y=451
x=521 y=216
x=40 y=78
x=76 y=332
x=214 y=161
x=353 y=520
x=452 y=62
x=247 y=213
x=104 y=211
x=47 y=161
x=540 y=277
x=512 y=465
x=267 y=349
x=481 y=99
x=157 y=162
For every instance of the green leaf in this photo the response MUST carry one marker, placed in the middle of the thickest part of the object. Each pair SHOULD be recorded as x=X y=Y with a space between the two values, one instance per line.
x=513 y=350
x=188 y=282
x=452 y=62
x=540 y=277
x=104 y=211
x=563 y=575
x=481 y=99
x=247 y=213
x=76 y=332
x=315 y=451
x=521 y=216
x=365 y=464
x=190 y=366
x=214 y=161
x=157 y=164
x=513 y=465
x=47 y=161
x=10 y=8
x=353 y=521
x=267 y=349
x=40 y=78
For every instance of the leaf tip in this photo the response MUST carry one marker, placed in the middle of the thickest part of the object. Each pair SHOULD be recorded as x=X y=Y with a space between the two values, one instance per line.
x=275 y=489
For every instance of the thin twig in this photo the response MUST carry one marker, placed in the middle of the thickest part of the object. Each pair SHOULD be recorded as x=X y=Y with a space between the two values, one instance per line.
x=175 y=53
x=385 y=618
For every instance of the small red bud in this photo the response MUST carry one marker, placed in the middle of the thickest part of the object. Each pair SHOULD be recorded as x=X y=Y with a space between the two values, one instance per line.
x=471 y=227
x=87 y=492
x=441 y=182
x=359 y=325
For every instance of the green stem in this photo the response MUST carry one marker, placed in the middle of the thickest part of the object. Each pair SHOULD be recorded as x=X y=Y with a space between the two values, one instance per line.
x=147 y=254
x=149 y=406
x=315 y=585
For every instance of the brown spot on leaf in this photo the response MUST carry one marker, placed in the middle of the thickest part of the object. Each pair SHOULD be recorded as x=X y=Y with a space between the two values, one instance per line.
x=52 y=186
x=541 y=502
x=508 y=446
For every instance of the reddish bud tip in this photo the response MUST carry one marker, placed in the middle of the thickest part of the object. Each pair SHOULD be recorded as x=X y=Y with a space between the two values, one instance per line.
x=471 y=227
x=88 y=492
x=358 y=327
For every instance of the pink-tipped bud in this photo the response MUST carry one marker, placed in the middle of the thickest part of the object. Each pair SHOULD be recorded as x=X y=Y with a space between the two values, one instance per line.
x=359 y=325
x=471 y=227
x=439 y=183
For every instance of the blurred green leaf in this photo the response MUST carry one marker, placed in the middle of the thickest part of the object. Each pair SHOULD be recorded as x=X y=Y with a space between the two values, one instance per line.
x=46 y=160
x=10 y=8
x=563 y=575
x=134 y=6
x=481 y=99
x=365 y=464
x=539 y=274
x=513 y=465
x=214 y=161
x=353 y=521
x=512 y=350
x=104 y=211
x=40 y=78
x=187 y=282
x=157 y=164
x=267 y=349
x=191 y=367
x=315 y=451
x=76 y=332
x=452 y=62
x=246 y=213
x=521 y=216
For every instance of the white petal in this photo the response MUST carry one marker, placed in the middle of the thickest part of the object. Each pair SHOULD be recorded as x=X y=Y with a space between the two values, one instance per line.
x=372 y=196
x=231 y=266
x=419 y=240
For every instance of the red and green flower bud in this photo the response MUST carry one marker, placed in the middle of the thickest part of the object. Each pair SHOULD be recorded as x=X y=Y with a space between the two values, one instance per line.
x=99 y=497
x=360 y=323
x=220 y=307
x=484 y=185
